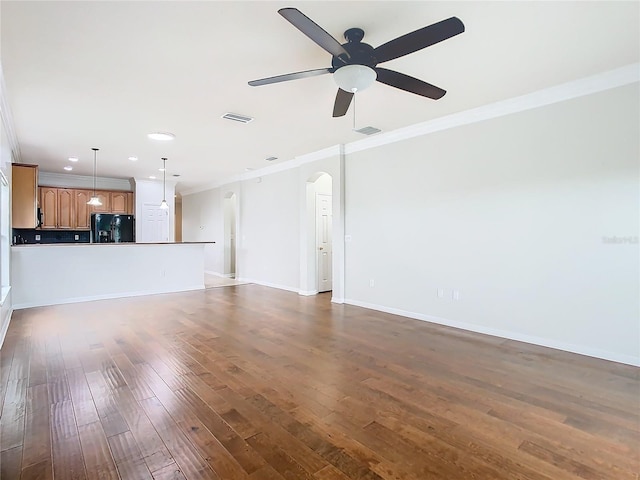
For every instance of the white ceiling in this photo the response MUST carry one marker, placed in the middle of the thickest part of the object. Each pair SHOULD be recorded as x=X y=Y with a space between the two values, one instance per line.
x=104 y=74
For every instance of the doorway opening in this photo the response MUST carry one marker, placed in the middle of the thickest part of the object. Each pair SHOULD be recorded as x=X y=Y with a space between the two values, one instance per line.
x=230 y=216
x=319 y=195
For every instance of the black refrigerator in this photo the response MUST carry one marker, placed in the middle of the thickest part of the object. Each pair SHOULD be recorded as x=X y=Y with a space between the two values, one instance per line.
x=112 y=228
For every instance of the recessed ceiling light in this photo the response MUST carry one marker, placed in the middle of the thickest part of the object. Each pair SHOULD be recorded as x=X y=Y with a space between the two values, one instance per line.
x=133 y=159
x=271 y=158
x=68 y=168
x=163 y=136
x=73 y=159
x=152 y=177
x=161 y=169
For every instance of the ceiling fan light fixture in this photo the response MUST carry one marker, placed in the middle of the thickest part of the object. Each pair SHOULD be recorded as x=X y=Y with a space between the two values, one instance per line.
x=354 y=78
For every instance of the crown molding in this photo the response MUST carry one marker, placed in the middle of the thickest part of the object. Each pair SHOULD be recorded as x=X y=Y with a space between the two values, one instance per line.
x=63 y=180
x=137 y=180
x=566 y=91
x=328 y=152
x=7 y=120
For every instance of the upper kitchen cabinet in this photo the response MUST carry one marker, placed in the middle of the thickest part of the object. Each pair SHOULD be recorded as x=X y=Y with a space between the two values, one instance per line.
x=83 y=211
x=119 y=202
x=114 y=202
x=49 y=207
x=24 y=195
x=105 y=200
x=58 y=206
x=67 y=209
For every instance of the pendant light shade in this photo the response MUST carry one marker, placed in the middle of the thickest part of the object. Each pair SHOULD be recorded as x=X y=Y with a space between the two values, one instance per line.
x=164 y=205
x=95 y=201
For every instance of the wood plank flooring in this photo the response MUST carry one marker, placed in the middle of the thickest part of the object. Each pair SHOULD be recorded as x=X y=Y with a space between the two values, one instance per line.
x=248 y=382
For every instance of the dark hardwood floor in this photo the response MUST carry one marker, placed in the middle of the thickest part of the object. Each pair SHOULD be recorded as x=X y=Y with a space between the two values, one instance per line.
x=249 y=382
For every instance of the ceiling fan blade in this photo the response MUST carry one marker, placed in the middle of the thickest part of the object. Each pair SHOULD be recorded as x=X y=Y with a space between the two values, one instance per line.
x=421 y=38
x=313 y=31
x=409 y=84
x=341 y=105
x=290 y=76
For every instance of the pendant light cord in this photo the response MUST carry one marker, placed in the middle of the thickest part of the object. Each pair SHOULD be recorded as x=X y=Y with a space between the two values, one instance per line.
x=164 y=179
x=95 y=152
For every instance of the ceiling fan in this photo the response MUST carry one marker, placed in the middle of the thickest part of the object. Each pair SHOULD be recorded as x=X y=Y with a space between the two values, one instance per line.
x=354 y=64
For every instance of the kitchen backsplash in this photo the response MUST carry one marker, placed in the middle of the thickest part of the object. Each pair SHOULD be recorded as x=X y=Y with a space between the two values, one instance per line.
x=21 y=236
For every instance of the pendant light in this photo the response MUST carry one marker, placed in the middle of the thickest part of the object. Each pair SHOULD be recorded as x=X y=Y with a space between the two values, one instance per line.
x=95 y=201
x=164 y=205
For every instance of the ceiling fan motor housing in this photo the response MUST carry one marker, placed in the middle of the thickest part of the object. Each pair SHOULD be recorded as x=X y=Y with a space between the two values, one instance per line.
x=359 y=53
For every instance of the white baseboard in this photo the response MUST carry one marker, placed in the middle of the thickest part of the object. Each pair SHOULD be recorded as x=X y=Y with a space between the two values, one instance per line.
x=268 y=284
x=5 y=325
x=108 y=296
x=540 y=341
x=337 y=300
x=307 y=293
x=218 y=274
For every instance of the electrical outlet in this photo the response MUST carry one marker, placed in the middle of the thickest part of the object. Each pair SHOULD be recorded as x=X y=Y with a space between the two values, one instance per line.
x=76 y=237
x=37 y=238
x=440 y=293
x=372 y=282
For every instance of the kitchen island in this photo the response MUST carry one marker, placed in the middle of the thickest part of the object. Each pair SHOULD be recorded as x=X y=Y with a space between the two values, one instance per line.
x=65 y=273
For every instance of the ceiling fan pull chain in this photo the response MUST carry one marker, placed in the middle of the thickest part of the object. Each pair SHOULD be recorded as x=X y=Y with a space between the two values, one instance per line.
x=354 y=111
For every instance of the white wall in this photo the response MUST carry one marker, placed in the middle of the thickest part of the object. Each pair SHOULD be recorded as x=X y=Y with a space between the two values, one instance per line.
x=273 y=225
x=514 y=214
x=202 y=219
x=268 y=243
x=511 y=212
x=5 y=234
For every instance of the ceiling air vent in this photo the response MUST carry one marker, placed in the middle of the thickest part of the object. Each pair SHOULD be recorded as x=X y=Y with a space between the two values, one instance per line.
x=271 y=159
x=368 y=130
x=237 y=118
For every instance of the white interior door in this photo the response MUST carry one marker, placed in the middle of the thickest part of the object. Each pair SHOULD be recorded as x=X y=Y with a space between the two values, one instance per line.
x=155 y=227
x=323 y=241
x=230 y=235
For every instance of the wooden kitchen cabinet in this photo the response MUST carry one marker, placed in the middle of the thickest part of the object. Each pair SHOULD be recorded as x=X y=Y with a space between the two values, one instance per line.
x=67 y=209
x=119 y=202
x=49 y=207
x=24 y=195
x=105 y=199
x=83 y=211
